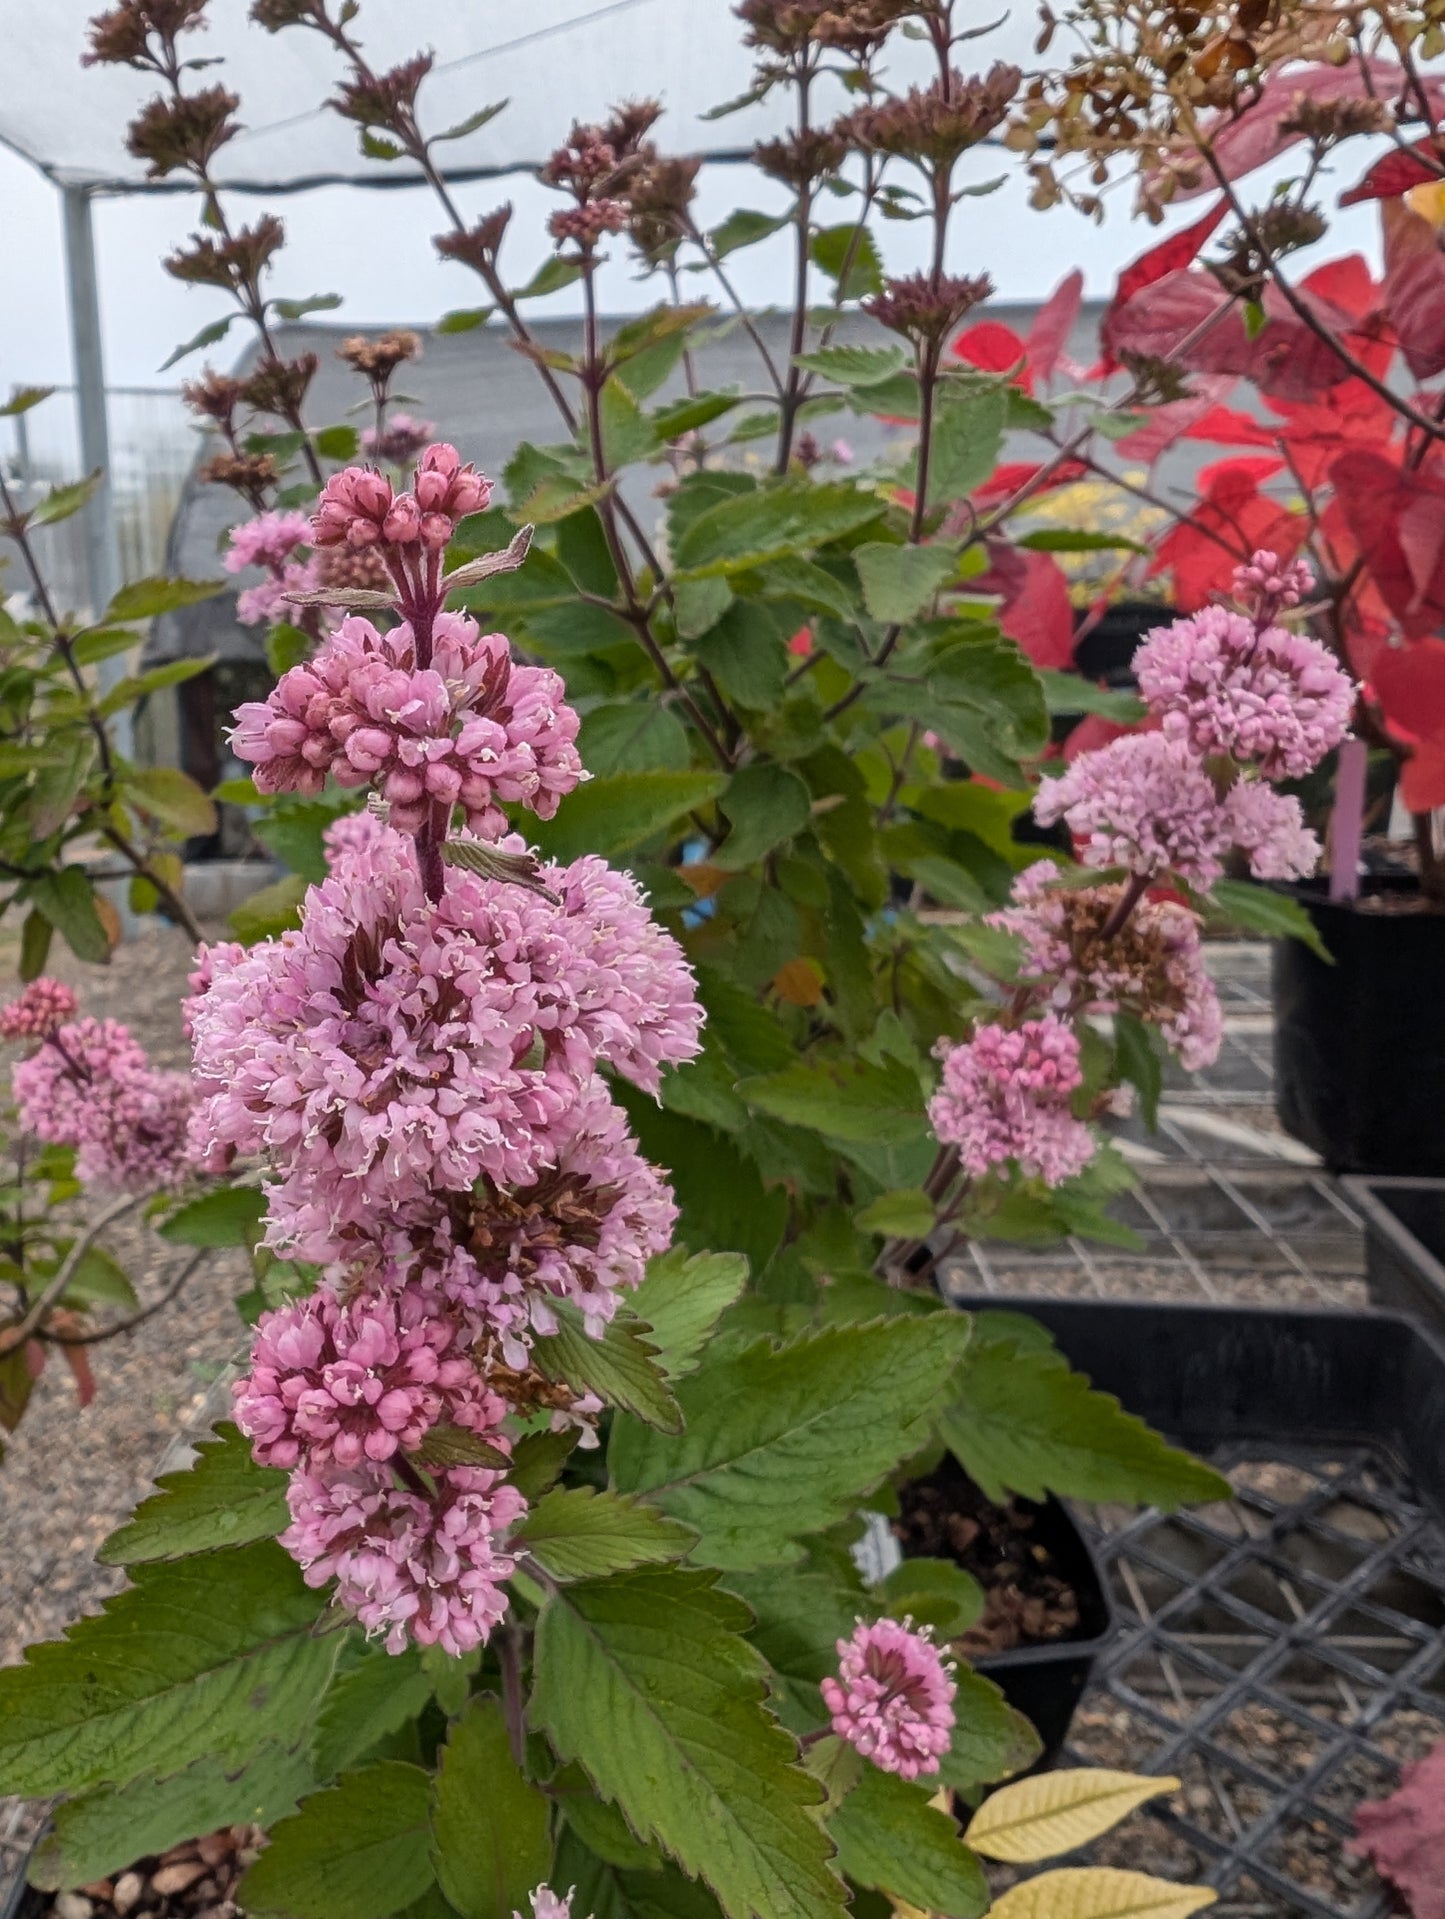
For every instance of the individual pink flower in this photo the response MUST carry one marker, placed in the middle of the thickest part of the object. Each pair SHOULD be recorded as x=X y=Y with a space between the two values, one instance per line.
x=893 y=1697
x=347 y=1383
x=42 y=1008
x=353 y=508
x=393 y=1048
x=1152 y=966
x=270 y=601
x=351 y=833
x=1268 y=584
x=1006 y=1096
x=429 y=1571
x=1144 y=802
x=1269 y=828
x=547 y=1904
x=472 y=730
x=269 y=540
x=1265 y=696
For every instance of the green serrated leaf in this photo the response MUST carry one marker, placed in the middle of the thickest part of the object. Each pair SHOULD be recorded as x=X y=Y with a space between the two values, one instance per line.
x=173 y=798
x=765 y=805
x=991 y=1739
x=854 y=365
x=799 y=1614
x=101 y=1832
x=67 y=899
x=908 y=1214
x=371 y=1696
x=359 y=1850
x=491 y=1843
x=229 y=1216
x=932 y=1592
x=1070 y=693
x=1260 y=909
x=890 y=1838
x=743 y=228
x=273 y=909
x=900 y=581
x=1024 y=1423
x=615 y=814
x=621 y=1367
x=538 y=1459
x=145 y=599
x=100 y=1278
x=783 y=1441
x=208 y=336
x=224 y=1499
x=578 y=1533
x=782 y=517
x=682 y=1299
x=210 y=1656
x=968 y=435
x=1138 y=1059
x=646 y=1681
x=847 y=1098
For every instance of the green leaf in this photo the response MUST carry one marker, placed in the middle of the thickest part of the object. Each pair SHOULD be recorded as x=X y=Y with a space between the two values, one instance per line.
x=901 y=1215
x=370 y=1698
x=144 y=599
x=55 y=788
x=743 y=228
x=35 y=937
x=173 y=798
x=799 y=1616
x=1138 y=1060
x=646 y=1681
x=1067 y=539
x=630 y=736
x=891 y=1839
x=67 y=900
x=208 y=336
x=627 y=433
x=538 y=1459
x=1070 y=693
x=224 y=1499
x=22 y=398
x=783 y=1441
x=670 y=422
x=682 y=1299
x=101 y=1832
x=211 y=1656
x=359 y=1850
x=854 y=365
x=900 y=581
x=698 y=605
x=621 y=1367
x=1024 y=1423
x=621 y=811
x=140 y=685
x=312 y=303
x=337 y=442
x=779 y=518
x=577 y=1533
x=932 y=1592
x=100 y=1278
x=472 y=124
x=991 y=1739
x=847 y=1098
x=766 y=805
x=271 y=910
x=553 y=274
x=62 y=501
x=1259 y=909
x=490 y=1840
x=968 y=435
x=463 y=319
x=849 y=255
x=229 y=1216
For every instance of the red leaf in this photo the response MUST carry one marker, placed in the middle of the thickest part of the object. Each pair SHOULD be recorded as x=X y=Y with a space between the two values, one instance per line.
x=78 y=1360
x=1403 y=1836
x=994 y=348
x=1258 y=134
x=1409 y=682
x=1165 y=424
x=1395 y=519
x=1094 y=731
x=1227 y=426
x=1415 y=287
x=1038 y=613
x=1053 y=324
x=1232 y=520
x=1156 y=319
x=1006 y=480
x=1394 y=175
x=1347 y=283
x=1169 y=256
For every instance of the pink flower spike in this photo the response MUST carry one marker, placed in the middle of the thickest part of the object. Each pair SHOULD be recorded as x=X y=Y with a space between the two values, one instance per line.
x=41 y=1010
x=893 y=1697
x=547 y=1904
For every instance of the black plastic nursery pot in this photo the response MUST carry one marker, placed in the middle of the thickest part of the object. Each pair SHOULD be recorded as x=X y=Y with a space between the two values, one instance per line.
x=1359 y=1046
x=1045 y=1680
x=1404 y=1244
x=1282 y=1652
x=1106 y=652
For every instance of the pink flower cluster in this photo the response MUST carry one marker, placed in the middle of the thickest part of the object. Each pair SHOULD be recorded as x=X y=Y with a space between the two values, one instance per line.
x=472 y=729
x=423 y=1077
x=1006 y=1095
x=409 y=1566
x=359 y=507
x=42 y=1008
x=1152 y=966
x=269 y=540
x=893 y=1697
x=1147 y=802
x=400 y=440
x=90 y=1086
x=1264 y=696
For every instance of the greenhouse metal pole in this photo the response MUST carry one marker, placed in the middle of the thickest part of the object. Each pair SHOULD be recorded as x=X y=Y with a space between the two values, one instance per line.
x=102 y=549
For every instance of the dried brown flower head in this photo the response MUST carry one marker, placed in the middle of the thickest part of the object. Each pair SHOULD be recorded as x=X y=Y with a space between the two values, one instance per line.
x=279 y=386
x=925 y=308
x=1278 y=229
x=380 y=354
x=187 y=131
x=934 y=123
x=659 y=199
x=122 y=37
x=235 y=263
x=250 y=474
x=215 y=396
x=477 y=246
x=801 y=159
x=384 y=99
x=273 y=15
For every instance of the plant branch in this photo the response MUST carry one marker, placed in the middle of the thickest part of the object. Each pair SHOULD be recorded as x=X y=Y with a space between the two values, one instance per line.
x=56 y=1287
x=171 y=1293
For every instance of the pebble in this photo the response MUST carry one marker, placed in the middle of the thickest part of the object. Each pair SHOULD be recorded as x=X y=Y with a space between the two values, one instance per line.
x=128 y=1890
x=72 y=1905
x=169 y=1880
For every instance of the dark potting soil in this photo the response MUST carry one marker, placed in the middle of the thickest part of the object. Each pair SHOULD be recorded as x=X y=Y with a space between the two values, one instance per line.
x=1027 y=1600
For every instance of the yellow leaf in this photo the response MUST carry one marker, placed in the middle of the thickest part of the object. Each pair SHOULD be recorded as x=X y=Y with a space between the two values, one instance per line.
x=109 y=919
x=1055 y=1811
x=1100 y=1892
x=799 y=982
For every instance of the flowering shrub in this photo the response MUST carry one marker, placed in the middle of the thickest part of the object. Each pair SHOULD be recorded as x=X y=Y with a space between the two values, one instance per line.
x=597 y=1211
